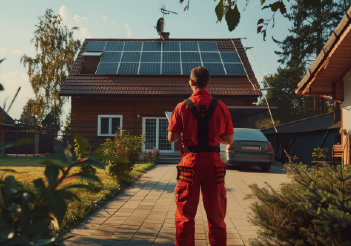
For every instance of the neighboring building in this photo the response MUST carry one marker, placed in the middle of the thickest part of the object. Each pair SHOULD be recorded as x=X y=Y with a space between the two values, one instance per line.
x=8 y=125
x=301 y=137
x=330 y=77
x=130 y=83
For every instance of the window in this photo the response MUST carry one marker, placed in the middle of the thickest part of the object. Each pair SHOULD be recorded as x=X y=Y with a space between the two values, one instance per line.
x=108 y=124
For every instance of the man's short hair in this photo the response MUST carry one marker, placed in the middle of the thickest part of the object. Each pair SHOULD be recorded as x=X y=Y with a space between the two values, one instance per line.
x=201 y=76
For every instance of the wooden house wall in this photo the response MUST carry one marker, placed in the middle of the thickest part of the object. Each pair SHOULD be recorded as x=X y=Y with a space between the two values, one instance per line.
x=85 y=111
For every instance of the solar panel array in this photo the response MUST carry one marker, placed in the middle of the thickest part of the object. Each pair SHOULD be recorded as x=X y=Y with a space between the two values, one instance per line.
x=171 y=58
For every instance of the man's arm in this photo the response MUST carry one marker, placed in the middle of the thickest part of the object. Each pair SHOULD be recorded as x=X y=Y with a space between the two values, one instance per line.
x=226 y=139
x=173 y=137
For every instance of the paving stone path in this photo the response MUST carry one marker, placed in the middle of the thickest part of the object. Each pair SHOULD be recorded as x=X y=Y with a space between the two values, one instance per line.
x=144 y=213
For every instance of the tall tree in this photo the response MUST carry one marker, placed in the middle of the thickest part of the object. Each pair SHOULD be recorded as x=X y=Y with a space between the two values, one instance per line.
x=33 y=112
x=47 y=70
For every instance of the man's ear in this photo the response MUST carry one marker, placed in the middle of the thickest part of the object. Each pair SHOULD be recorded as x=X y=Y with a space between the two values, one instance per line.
x=192 y=83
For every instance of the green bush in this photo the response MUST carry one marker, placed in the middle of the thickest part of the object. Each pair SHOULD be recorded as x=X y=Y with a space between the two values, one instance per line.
x=79 y=154
x=30 y=217
x=149 y=157
x=314 y=209
x=127 y=151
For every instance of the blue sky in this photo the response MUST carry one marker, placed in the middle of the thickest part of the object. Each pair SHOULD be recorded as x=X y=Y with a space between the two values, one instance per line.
x=126 y=19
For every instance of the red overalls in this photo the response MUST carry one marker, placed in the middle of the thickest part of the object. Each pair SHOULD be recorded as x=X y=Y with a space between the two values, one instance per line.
x=201 y=166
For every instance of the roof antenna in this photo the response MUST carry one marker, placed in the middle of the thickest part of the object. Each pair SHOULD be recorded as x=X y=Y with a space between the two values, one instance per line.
x=161 y=23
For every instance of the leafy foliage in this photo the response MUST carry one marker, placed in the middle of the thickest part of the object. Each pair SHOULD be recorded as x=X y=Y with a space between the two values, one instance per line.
x=126 y=154
x=314 y=209
x=150 y=157
x=48 y=69
x=80 y=154
x=33 y=112
x=67 y=126
x=319 y=153
x=30 y=218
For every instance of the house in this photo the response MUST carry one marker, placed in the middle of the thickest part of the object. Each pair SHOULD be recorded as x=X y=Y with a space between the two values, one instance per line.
x=330 y=77
x=299 y=138
x=130 y=83
x=7 y=125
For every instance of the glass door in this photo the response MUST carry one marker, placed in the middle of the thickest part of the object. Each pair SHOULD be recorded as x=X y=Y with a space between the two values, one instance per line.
x=156 y=134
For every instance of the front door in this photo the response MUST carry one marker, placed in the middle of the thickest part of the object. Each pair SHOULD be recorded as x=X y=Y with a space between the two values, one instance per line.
x=156 y=134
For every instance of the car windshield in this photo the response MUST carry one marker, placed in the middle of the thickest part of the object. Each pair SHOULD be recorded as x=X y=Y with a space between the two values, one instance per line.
x=246 y=134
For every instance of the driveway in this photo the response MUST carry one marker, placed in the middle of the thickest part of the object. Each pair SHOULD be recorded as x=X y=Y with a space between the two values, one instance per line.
x=144 y=214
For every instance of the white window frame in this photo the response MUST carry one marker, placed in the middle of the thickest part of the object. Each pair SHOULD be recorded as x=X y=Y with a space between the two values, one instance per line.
x=157 y=134
x=109 y=124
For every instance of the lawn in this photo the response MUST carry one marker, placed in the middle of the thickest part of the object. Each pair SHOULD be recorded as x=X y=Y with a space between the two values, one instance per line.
x=29 y=168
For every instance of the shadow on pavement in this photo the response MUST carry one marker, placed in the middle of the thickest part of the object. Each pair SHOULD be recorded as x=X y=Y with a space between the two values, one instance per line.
x=256 y=169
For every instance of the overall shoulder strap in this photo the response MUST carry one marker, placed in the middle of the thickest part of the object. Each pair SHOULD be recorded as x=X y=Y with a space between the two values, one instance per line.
x=211 y=109
x=193 y=109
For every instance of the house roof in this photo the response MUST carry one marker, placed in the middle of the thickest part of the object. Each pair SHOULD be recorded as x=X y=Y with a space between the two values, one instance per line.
x=325 y=76
x=315 y=123
x=8 y=119
x=162 y=85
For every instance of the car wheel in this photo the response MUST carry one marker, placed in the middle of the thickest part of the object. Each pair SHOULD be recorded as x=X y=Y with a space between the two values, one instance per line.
x=265 y=168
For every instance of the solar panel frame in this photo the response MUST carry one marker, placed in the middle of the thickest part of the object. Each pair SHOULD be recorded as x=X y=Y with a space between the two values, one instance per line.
x=95 y=46
x=111 y=57
x=188 y=66
x=170 y=46
x=107 y=68
x=131 y=57
x=152 y=46
x=215 y=68
x=208 y=46
x=229 y=57
x=173 y=57
x=234 y=69
x=132 y=46
x=114 y=46
x=173 y=68
x=189 y=46
x=151 y=57
x=150 y=68
x=190 y=57
x=211 y=57
x=128 y=68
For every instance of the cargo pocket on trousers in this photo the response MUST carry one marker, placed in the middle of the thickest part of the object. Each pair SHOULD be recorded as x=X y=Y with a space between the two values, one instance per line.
x=220 y=174
x=181 y=196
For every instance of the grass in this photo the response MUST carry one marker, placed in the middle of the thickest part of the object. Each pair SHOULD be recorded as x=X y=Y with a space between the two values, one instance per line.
x=29 y=169
x=23 y=161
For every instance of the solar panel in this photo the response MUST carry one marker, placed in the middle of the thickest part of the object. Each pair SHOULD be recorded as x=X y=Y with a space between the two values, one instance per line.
x=234 y=69
x=171 y=68
x=114 y=46
x=131 y=57
x=170 y=46
x=151 y=57
x=107 y=68
x=230 y=57
x=210 y=57
x=215 y=68
x=191 y=57
x=170 y=56
x=111 y=57
x=188 y=66
x=95 y=46
x=208 y=46
x=189 y=46
x=128 y=68
x=132 y=46
x=150 y=68
x=152 y=46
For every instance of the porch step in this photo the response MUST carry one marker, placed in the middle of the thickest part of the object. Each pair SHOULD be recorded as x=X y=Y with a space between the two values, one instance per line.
x=169 y=158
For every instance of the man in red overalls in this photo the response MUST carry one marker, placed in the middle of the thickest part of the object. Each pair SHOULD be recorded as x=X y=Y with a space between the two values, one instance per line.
x=205 y=123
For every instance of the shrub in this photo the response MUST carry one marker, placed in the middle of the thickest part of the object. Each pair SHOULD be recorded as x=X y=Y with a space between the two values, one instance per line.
x=314 y=209
x=79 y=154
x=31 y=218
x=150 y=157
x=127 y=149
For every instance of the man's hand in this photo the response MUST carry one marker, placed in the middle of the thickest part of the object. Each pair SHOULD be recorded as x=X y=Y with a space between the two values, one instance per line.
x=227 y=139
x=173 y=137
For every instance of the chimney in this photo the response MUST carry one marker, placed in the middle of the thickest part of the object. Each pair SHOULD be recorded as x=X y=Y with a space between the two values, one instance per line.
x=164 y=35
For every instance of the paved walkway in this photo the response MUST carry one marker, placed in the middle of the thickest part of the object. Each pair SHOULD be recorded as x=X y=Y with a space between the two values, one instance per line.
x=144 y=214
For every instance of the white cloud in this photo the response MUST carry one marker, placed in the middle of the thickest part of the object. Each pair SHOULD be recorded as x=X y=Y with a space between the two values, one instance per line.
x=129 y=33
x=85 y=18
x=65 y=15
x=255 y=3
x=16 y=51
x=77 y=18
x=84 y=33
x=15 y=78
x=3 y=50
x=105 y=18
x=96 y=20
x=113 y=22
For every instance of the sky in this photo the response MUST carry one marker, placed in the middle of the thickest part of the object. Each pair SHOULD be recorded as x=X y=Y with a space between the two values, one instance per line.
x=126 y=19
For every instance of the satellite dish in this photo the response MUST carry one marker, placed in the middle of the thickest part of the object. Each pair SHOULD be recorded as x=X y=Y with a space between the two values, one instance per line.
x=160 y=25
